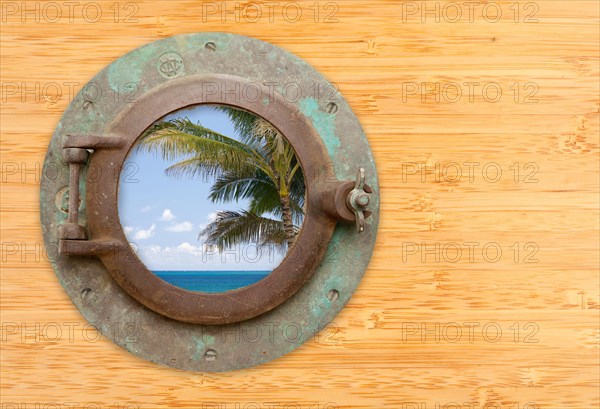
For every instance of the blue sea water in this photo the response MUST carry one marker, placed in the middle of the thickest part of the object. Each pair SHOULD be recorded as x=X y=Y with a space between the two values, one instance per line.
x=211 y=281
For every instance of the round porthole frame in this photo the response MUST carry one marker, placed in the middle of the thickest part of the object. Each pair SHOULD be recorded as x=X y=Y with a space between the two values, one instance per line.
x=102 y=274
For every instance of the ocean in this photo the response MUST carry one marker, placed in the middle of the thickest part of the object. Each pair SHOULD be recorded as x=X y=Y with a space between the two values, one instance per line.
x=211 y=281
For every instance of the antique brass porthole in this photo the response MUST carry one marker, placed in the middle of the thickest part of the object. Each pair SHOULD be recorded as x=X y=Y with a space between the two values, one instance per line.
x=100 y=269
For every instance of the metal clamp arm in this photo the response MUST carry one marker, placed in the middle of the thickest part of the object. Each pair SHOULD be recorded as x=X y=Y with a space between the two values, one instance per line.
x=358 y=200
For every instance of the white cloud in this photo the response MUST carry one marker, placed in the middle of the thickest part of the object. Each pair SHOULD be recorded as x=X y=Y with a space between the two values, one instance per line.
x=128 y=229
x=146 y=209
x=142 y=234
x=167 y=215
x=187 y=256
x=180 y=227
x=154 y=248
x=190 y=249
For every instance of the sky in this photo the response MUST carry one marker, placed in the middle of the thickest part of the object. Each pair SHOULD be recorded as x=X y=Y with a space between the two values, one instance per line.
x=162 y=216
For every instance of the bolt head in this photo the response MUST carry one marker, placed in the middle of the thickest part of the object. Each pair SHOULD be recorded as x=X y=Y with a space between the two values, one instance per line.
x=362 y=199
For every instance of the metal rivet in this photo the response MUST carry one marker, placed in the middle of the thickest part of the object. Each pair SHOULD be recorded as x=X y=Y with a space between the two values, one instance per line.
x=332 y=108
x=86 y=292
x=333 y=295
x=210 y=46
x=210 y=355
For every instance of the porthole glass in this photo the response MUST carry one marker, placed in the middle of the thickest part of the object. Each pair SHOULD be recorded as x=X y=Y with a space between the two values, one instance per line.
x=211 y=197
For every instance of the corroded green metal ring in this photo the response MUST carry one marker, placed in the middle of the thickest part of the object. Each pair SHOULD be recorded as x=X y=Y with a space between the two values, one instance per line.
x=102 y=275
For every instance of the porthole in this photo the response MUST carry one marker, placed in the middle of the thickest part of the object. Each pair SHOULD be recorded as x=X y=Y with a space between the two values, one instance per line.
x=96 y=256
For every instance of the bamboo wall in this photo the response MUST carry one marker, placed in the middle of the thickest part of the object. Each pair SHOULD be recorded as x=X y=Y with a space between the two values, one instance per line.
x=483 y=290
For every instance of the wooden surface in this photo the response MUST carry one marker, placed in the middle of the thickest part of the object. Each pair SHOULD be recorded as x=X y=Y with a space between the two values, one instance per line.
x=397 y=343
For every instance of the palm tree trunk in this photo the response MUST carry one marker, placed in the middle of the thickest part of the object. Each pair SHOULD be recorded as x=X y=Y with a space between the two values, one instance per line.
x=288 y=224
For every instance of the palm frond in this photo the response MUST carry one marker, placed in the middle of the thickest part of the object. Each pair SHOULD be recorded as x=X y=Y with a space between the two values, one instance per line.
x=218 y=153
x=262 y=192
x=298 y=189
x=233 y=186
x=234 y=227
x=243 y=121
x=183 y=126
x=270 y=204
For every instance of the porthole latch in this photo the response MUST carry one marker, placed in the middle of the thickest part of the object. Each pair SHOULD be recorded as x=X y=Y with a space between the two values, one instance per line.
x=358 y=200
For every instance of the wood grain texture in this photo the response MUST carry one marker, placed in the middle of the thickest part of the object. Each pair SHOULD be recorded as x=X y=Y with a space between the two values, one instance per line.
x=423 y=329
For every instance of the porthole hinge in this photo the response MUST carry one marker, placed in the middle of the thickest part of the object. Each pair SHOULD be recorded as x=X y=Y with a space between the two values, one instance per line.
x=76 y=152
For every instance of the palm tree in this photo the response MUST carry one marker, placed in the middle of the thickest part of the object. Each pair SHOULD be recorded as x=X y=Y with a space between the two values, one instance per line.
x=261 y=167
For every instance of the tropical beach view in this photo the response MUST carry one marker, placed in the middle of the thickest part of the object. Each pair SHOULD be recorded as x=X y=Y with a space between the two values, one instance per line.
x=211 y=197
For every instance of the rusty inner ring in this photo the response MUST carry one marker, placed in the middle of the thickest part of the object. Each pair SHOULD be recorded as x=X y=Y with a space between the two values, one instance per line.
x=197 y=307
